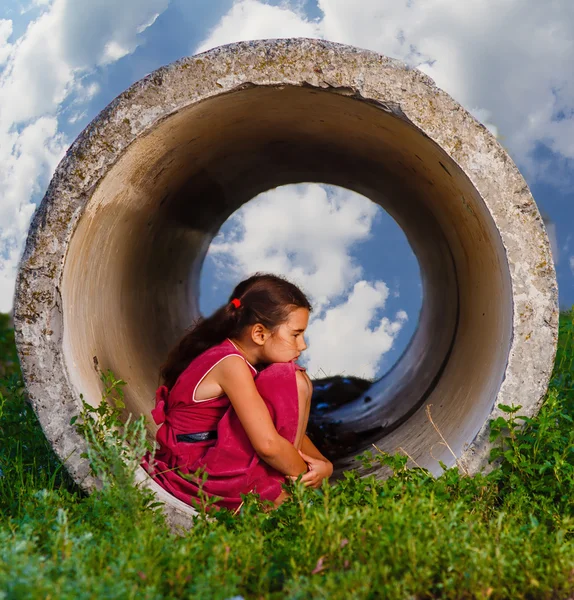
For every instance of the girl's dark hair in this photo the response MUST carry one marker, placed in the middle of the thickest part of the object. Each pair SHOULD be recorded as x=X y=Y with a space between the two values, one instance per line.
x=265 y=298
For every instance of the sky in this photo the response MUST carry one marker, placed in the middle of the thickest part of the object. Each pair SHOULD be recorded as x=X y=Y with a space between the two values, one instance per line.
x=509 y=62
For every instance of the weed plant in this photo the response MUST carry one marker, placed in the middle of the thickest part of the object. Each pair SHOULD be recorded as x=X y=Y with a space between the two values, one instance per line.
x=508 y=534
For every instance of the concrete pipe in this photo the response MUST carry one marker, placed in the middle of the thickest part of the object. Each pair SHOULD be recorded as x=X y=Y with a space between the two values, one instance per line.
x=113 y=257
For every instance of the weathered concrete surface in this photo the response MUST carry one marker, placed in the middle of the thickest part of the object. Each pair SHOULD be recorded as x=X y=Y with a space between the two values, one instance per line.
x=112 y=261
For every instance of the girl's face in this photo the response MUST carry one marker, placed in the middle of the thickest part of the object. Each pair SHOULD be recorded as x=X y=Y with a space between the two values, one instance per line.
x=286 y=342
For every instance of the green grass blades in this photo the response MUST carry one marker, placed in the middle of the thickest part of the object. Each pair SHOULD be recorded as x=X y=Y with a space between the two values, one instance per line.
x=508 y=534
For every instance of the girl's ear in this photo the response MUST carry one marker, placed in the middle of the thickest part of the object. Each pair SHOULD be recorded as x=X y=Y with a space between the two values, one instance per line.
x=259 y=334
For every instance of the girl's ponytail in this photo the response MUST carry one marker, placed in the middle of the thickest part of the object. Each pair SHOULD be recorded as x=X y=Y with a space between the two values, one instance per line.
x=262 y=298
x=205 y=333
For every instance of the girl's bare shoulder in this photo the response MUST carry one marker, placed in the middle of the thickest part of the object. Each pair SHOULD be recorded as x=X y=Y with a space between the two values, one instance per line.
x=304 y=384
x=233 y=365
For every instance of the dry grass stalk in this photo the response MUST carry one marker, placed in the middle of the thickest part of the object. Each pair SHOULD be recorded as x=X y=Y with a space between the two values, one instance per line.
x=410 y=457
x=459 y=464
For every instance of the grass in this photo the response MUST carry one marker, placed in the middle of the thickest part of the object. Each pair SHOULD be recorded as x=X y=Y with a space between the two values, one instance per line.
x=505 y=535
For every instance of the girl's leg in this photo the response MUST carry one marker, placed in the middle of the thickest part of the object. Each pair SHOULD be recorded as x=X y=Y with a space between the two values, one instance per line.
x=267 y=384
x=304 y=391
x=280 y=499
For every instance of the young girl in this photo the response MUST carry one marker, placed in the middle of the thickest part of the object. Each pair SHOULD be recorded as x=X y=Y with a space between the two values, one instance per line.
x=234 y=402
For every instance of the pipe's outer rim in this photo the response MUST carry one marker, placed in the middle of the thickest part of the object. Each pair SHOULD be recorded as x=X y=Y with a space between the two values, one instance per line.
x=395 y=87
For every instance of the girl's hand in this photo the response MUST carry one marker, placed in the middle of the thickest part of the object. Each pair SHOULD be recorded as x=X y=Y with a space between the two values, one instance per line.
x=318 y=470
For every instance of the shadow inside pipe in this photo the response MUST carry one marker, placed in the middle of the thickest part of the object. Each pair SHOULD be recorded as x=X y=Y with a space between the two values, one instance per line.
x=329 y=394
x=342 y=439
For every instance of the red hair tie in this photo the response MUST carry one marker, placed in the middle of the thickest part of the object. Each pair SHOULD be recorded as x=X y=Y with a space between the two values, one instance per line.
x=236 y=302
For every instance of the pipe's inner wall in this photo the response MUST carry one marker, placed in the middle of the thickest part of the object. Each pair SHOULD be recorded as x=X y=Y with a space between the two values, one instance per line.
x=131 y=276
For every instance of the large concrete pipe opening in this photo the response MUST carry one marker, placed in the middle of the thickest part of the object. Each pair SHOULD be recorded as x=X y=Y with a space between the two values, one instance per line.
x=112 y=262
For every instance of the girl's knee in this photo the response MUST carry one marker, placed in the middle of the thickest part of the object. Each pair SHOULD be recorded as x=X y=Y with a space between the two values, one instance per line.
x=304 y=386
x=304 y=392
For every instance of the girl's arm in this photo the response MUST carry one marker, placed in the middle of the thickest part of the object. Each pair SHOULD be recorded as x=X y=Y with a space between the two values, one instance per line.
x=309 y=448
x=237 y=383
x=319 y=467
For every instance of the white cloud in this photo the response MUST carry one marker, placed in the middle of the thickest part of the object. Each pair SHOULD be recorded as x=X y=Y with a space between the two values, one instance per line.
x=344 y=340
x=48 y=64
x=113 y=51
x=552 y=238
x=5 y=46
x=253 y=20
x=310 y=242
x=34 y=4
x=148 y=24
x=33 y=152
x=62 y=44
x=572 y=264
x=509 y=63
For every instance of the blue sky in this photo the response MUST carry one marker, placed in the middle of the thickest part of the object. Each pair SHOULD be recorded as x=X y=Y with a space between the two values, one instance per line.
x=511 y=64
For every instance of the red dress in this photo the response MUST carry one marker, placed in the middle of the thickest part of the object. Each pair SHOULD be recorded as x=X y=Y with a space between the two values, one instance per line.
x=230 y=461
